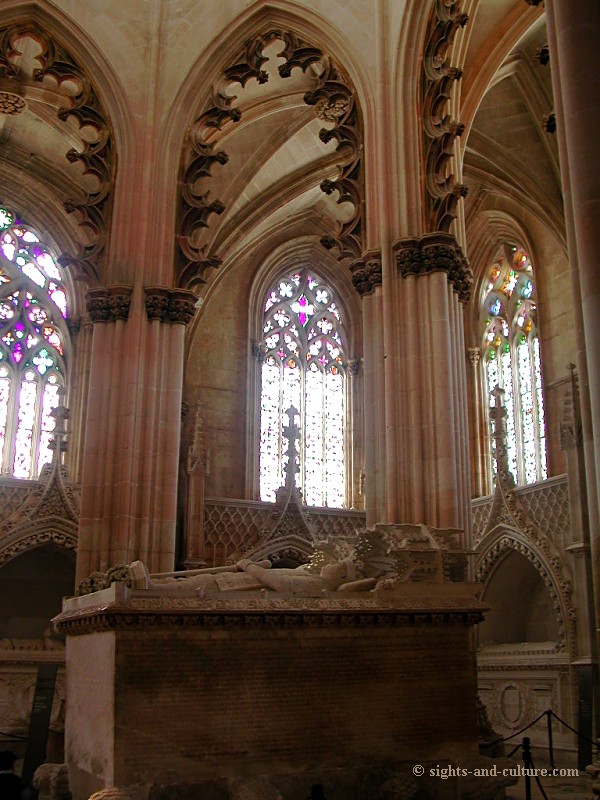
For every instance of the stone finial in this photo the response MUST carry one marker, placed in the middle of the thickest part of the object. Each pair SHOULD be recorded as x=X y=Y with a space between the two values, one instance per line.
x=498 y=415
x=549 y=122
x=292 y=433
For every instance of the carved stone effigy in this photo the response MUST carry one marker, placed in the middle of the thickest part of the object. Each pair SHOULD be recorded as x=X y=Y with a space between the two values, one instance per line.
x=315 y=675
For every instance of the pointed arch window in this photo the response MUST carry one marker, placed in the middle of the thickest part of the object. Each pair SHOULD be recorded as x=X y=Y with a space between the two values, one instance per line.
x=304 y=365
x=511 y=359
x=33 y=333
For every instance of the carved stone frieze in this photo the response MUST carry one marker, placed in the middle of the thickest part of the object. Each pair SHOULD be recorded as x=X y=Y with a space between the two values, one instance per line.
x=334 y=101
x=80 y=103
x=442 y=190
x=110 y=303
x=174 y=306
x=435 y=252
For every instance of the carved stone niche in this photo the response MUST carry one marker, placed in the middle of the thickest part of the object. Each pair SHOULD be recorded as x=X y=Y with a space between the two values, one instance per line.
x=435 y=252
x=109 y=303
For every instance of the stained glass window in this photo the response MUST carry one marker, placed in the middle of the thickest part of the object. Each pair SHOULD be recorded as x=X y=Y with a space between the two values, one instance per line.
x=33 y=308
x=304 y=365
x=511 y=351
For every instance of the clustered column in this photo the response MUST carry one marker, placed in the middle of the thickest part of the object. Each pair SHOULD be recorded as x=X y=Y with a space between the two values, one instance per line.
x=133 y=428
x=433 y=483
x=367 y=279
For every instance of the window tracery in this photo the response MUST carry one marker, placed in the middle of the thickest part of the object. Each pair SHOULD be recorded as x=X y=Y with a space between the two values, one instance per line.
x=33 y=310
x=304 y=365
x=511 y=359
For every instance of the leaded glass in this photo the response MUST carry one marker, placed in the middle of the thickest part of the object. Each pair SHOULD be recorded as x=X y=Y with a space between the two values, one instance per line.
x=512 y=361
x=33 y=333
x=304 y=366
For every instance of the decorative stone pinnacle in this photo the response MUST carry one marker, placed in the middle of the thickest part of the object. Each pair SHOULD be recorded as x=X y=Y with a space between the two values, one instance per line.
x=61 y=413
x=292 y=433
x=498 y=415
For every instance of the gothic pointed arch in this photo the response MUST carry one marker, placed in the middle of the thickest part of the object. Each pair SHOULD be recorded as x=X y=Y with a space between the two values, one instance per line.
x=59 y=92
x=503 y=541
x=247 y=160
x=317 y=343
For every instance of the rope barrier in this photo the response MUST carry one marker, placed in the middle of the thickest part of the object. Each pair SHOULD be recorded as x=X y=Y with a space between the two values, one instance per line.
x=537 y=779
x=566 y=724
x=13 y=737
x=508 y=738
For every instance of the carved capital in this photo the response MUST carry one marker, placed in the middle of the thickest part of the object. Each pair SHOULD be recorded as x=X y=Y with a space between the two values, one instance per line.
x=354 y=367
x=542 y=55
x=259 y=351
x=174 y=306
x=474 y=356
x=110 y=303
x=435 y=252
x=366 y=272
x=549 y=122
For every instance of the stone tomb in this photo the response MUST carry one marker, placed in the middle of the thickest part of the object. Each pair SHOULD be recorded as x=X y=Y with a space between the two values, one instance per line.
x=187 y=693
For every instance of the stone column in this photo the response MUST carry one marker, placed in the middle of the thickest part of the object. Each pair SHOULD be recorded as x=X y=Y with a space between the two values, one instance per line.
x=366 y=277
x=433 y=462
x=479 y=429
x=130 y=465
x=575 y=61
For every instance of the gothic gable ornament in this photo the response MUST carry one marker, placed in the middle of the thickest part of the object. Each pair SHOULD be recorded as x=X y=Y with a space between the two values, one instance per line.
x=50 y=512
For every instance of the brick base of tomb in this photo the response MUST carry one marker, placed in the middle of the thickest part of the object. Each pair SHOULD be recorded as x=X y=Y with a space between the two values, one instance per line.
x=186 y=692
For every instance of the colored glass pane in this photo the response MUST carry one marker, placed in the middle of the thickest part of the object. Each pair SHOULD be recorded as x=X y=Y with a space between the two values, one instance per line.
x=304 y=366
x=512 y=361
x=32 y=346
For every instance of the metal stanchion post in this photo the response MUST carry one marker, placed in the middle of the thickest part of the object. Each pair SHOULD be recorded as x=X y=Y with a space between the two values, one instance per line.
x=550 y=745
x=527 y=765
